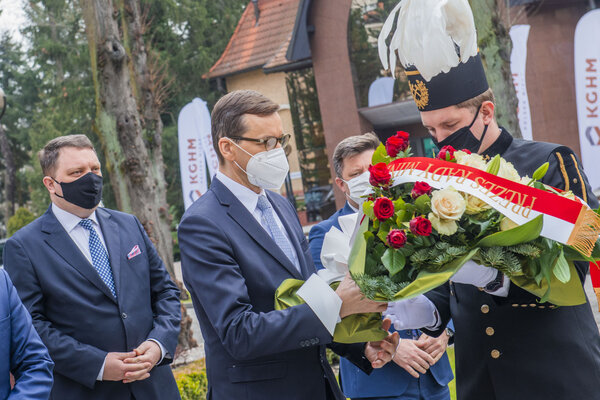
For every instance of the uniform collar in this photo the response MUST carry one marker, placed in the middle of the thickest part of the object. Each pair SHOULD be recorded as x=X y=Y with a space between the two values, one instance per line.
x=70 y=221
x=500 y=145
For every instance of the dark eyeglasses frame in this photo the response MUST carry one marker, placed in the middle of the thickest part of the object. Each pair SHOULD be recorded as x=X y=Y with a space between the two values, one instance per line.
x=283 y=140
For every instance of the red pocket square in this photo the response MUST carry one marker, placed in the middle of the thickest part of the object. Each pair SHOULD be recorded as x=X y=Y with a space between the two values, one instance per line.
x=134 y=252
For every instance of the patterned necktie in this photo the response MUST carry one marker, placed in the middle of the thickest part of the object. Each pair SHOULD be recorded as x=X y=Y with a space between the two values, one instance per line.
x=99 y=256
x=268 y=222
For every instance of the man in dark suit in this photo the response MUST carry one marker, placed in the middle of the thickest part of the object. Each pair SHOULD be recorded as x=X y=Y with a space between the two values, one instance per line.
x=508 y=346
x=421 y=369
x=22 y=352
x=239 y=242
x=100 y=297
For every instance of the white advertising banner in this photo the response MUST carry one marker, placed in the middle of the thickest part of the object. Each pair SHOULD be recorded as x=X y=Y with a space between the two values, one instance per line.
x=192 y=161
x=203 y=124
x=587 y=89
x=518 y=62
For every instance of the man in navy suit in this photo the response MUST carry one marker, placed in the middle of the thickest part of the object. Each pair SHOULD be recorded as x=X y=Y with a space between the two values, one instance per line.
x=22 y=352
x=420 y=369
x=239 y=242
x=99 y=295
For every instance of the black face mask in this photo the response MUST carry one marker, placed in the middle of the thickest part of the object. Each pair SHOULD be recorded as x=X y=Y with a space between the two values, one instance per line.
x=464 y=138
x=85 y=192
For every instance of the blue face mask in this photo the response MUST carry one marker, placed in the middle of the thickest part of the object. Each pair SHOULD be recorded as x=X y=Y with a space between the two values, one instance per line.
x=84 y=192
x=464 y=138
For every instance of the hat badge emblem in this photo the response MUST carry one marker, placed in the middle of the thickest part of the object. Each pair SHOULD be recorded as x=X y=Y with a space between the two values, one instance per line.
x=420 y=93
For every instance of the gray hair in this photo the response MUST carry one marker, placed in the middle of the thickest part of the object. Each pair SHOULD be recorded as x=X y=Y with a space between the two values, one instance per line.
x=228 y=114
x=48 y=156
x=352 y=146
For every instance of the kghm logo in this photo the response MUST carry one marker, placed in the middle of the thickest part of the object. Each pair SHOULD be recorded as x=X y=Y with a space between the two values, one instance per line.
x=194 y=195
x=592 y=133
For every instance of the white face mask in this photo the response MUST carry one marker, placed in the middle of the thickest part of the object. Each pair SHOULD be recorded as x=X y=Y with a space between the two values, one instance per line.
x=358 y=186
x=266 y=169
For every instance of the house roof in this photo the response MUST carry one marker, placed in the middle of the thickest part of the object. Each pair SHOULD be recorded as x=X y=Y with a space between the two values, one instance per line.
x=255 y=46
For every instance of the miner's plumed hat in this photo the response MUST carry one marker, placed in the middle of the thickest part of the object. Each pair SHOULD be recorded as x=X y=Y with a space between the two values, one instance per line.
x=436 y=43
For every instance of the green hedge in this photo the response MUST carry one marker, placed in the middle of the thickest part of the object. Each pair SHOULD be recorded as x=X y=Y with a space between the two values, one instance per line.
x=193 y=386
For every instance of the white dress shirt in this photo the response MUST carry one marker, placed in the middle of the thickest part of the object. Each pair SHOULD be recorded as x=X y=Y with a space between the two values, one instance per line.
x=322 y=300
x=249 y=198
x=81 y=238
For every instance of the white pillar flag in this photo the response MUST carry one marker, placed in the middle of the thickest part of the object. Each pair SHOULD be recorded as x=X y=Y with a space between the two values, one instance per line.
x=587 y=88
x=193 y=128
x=518 y=62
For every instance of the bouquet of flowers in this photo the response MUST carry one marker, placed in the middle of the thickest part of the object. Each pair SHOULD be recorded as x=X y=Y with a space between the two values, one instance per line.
x=426 y=217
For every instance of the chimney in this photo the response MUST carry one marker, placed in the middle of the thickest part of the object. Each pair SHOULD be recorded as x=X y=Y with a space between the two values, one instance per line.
x=256 y=11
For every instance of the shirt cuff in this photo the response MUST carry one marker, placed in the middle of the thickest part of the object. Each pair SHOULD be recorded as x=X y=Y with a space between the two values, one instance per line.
x=163 y=352
x=322 y=300
x=101 y=373
x=438 y=321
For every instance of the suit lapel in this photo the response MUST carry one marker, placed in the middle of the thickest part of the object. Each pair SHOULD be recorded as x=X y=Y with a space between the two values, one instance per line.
x=110 y=231
x=239 y=213
x=61 y=242
x=290 y=233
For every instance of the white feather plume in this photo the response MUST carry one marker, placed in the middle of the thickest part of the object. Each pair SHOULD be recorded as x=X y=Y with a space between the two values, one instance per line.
x=426 y=34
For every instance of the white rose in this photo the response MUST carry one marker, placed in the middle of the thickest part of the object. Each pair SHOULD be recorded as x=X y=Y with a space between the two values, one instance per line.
x=525 y=180
x=470 y=160
x=508 y=171
x=507 y=224
x=448 y=204
x=443 y=226
x=475 y=205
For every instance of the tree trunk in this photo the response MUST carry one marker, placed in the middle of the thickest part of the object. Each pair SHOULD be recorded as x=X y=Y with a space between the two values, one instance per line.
x=133 y=152
x=495 y=47
x=11 y=172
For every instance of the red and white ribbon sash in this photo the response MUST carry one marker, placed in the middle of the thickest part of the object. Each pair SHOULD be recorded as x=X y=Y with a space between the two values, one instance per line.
x=567 y=221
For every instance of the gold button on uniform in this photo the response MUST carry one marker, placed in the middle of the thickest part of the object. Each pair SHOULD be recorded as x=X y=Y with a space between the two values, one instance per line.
x=485 y=309
x=495 y=353
x=532 y=305
x=489 y=331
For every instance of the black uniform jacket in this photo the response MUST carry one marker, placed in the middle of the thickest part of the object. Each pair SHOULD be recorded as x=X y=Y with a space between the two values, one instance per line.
x=515 y=348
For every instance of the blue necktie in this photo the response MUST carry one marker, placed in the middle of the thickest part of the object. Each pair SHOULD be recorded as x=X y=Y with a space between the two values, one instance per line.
x=99 y=256
x=268 y=222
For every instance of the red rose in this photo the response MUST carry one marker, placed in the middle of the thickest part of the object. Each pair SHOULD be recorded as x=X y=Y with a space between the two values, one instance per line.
x=380 y=174
x=466 y=151
x=396 y=238
x=397 y=143
x=383 y=208
x=420 y=189
x=446 y=153
x=420 y=226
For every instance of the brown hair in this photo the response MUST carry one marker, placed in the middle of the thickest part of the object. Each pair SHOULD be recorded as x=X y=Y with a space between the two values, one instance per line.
x=352 y=146
x=228 y=114
x=477 y=101
x=48 y=156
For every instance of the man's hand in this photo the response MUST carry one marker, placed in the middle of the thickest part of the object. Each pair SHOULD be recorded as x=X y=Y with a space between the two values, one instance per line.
x=435 y=347
x=410 y=357
x=147 y=353
x=353 y=301
x=382 y=352
x=115 y=367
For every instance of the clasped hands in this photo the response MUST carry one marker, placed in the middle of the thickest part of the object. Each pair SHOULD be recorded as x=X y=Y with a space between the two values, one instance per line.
x=134 y=365
x=416 y=356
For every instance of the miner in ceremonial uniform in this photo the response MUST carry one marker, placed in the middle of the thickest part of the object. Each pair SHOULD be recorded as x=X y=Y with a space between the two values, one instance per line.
x=509 y=346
